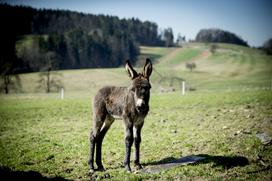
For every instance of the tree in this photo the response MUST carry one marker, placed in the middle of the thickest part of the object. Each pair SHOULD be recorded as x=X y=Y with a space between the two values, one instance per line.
x=168 y=37
x=213 y=48
x=8 y=62
x=190 y=66
x=49 y=81
x=10 y=82
x=180 y=40
x=217 y=36
x=268 y=46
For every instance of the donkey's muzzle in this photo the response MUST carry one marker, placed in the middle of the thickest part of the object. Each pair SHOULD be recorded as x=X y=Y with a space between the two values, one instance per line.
x=141 y=105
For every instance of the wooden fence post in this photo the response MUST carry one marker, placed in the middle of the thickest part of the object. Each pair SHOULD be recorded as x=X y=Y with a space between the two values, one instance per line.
x=183 y=87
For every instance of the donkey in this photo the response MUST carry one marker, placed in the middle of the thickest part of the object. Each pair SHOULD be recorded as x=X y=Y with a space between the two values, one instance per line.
x=130 y=104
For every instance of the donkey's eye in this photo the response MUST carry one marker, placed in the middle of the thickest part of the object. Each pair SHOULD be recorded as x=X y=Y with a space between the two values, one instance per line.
x=144 y=89
x=147 y=87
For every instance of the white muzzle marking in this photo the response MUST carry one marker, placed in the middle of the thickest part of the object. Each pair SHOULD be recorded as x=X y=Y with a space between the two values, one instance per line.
x=139 y=102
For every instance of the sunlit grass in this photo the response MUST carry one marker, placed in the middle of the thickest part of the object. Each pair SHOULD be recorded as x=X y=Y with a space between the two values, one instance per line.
x=231 y=103
x=50 y=136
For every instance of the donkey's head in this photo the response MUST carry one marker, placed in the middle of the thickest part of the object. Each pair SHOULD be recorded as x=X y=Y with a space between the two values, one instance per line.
x=140 y=85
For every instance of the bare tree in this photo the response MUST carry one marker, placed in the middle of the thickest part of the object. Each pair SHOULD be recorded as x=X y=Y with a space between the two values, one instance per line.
x=180 y=40
x=10 y=82
x=213 y=48
x=9 y=79
x=190 y=66
x=49 y=81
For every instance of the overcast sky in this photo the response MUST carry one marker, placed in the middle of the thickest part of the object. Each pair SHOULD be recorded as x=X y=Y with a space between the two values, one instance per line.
x=249 y=19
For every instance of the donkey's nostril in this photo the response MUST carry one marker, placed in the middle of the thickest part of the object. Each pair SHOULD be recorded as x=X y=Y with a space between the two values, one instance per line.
x=140 y=105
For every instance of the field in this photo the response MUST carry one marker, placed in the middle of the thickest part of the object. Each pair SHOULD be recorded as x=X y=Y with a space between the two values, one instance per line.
x=44 y=137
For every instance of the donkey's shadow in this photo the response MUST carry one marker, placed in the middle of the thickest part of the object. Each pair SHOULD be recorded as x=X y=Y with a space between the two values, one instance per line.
x=224 y=161
x=7 y=173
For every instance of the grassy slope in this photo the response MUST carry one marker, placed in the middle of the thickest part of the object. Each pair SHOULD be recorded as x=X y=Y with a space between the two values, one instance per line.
x=43 y=134
x=230 y=68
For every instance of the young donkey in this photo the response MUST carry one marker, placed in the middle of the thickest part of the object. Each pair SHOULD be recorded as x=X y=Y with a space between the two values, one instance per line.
x=130 y=104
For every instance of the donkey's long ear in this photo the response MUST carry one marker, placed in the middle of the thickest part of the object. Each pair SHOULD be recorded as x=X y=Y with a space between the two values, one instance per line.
x=131 y=72
x=147 y=68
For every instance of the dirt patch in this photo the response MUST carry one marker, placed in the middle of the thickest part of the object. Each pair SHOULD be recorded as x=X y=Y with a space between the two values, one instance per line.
x=170 y=55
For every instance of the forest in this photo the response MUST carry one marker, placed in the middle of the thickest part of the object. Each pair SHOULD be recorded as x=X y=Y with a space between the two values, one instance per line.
x=38 y=39
x=217 y=35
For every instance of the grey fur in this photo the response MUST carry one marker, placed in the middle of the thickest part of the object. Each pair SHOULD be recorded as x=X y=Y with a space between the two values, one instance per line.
x=130 y=104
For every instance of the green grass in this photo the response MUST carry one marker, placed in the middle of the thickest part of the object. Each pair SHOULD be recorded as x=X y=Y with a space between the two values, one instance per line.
x=232 y=67
x=179 y=56
x=50 y=136
x=232 y=102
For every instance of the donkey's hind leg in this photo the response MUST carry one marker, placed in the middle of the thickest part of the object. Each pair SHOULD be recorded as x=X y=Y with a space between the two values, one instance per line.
x=106 y=125
x=98 y=120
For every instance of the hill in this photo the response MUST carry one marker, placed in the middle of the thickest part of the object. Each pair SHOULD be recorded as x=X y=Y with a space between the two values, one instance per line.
x=219 y=36
x=231 y=67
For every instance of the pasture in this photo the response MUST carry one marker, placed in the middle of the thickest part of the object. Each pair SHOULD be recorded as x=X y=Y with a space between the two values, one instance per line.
x=44 y=137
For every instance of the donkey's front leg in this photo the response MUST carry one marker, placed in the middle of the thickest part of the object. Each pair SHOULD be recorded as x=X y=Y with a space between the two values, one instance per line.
x=128 y=142
x=92 y=147
x=137 y=141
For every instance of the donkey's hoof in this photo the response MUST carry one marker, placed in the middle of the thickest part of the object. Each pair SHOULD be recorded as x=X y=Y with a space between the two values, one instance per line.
x=138 y=166
x=101 y=169
x=91 y=171
x=128 y=169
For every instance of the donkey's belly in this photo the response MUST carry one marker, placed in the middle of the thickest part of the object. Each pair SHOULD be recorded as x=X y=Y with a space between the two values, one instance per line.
x=116 y=116
x=114 y=111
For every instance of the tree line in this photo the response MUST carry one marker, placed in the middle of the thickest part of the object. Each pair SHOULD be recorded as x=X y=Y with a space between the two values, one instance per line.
x=219 y=36
x=65 y=39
